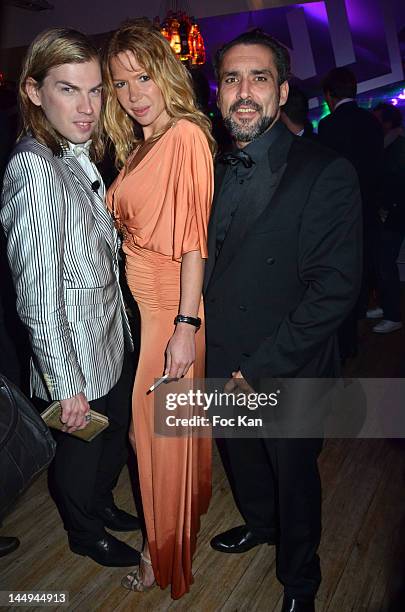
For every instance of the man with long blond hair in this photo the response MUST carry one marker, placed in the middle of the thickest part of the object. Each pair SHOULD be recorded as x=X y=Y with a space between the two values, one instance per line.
x=62 y=248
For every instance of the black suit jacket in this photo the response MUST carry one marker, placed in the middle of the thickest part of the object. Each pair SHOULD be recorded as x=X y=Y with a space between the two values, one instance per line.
x=392 y=195
x=354 y=133
x=289 y=269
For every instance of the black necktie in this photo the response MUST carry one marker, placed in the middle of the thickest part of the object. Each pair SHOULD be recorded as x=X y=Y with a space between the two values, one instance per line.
x=235 y=157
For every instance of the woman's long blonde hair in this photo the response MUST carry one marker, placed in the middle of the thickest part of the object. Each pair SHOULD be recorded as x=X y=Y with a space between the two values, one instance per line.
x=51 y=48
x=154 y=54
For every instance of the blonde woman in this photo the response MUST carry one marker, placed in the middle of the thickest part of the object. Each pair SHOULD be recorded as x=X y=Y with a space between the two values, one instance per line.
x=161 y=202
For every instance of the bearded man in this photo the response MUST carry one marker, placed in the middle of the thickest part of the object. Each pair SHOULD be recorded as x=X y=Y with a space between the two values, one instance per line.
x=283 y=272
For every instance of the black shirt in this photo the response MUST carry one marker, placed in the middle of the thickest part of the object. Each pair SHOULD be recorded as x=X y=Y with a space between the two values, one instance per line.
x=237 y=179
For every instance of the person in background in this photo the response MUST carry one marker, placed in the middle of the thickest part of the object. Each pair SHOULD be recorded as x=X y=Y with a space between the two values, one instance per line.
x=294 y=113
x=161 y=202
x=8 y=367
x=355 y=134
x=62 y=249
x=9 y=361
x=391 y=231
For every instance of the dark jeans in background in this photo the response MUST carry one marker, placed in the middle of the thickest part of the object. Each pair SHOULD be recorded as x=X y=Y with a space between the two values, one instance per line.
x=347 y=332
x=9 y=364
x=388 y=245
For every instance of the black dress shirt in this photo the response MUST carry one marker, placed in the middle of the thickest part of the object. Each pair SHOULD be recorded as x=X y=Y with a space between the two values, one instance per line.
x=237 y=179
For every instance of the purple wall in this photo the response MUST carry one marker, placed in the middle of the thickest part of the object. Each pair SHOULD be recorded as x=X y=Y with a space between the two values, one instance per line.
x=362 y=34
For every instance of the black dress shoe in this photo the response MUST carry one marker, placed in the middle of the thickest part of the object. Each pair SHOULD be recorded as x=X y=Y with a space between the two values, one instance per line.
x=290 y=604
x=107 y=550
x=237 y=540
x=8 y=545
x=119 y=520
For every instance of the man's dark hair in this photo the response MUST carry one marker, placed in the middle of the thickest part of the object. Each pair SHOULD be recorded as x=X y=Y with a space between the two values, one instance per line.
x=388 y=113
x=296 y=108
x=258 y=37
x=340 y=83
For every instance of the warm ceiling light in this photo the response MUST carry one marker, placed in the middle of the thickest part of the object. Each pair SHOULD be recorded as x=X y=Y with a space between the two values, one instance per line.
x=184 y=36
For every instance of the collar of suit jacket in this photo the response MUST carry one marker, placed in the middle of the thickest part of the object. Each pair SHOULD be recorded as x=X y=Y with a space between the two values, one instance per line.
x=280 y=147
x=344 y=101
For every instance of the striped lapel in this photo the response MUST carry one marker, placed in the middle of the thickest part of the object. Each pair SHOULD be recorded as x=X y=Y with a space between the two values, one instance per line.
x=98 y=208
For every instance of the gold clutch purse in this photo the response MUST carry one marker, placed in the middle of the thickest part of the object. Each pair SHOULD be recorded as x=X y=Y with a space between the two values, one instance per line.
x=98 y=422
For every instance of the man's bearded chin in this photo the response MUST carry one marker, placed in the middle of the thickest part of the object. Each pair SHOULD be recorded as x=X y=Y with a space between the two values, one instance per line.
x=245 y=130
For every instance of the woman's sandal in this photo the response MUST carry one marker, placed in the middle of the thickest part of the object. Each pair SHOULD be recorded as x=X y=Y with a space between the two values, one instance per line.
x=134 y=580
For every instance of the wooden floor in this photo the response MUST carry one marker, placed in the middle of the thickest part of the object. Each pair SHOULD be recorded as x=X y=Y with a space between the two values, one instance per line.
x=362 y=551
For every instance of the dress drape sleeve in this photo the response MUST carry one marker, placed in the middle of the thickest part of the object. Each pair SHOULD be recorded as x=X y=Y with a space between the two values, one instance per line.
x=194 y=190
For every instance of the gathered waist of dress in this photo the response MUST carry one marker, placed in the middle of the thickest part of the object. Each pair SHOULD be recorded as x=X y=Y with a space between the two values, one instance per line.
x=153 y=278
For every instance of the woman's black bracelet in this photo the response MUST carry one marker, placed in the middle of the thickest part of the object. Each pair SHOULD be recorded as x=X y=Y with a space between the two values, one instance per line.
x=195 y=321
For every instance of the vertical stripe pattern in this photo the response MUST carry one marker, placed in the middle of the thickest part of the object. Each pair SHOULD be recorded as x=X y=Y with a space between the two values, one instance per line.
x=63 y=250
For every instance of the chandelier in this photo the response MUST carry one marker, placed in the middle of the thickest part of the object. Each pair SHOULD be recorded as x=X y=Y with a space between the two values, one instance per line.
x=183 y=34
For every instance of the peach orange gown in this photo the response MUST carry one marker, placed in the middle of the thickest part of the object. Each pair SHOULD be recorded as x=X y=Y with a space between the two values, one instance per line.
x=162 y=207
